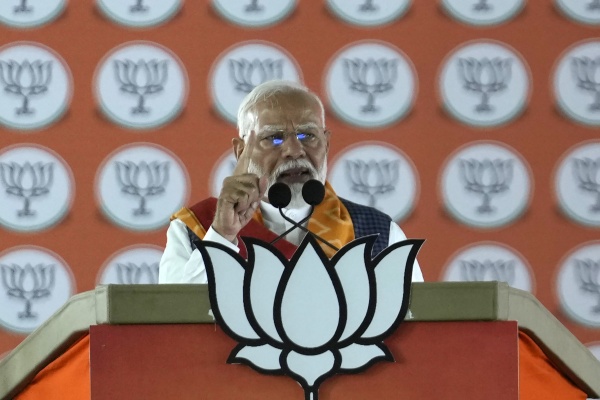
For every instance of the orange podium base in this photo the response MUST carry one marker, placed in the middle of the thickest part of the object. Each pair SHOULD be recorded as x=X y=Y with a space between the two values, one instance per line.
x=434 y=360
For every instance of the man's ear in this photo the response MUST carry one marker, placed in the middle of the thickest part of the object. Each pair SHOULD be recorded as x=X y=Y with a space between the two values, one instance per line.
x=238 y=146
x=327 y=134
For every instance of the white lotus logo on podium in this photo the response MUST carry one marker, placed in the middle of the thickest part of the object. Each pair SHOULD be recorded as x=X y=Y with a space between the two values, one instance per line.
x=310 y=317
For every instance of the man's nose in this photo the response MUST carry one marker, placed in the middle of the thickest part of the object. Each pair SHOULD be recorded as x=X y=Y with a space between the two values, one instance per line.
x=292 y=147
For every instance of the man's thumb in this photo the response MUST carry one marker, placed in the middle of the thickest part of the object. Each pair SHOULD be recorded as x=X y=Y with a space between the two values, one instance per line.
x=262 y=185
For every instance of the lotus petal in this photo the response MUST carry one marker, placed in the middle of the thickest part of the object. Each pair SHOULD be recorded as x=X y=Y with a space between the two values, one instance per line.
x=389 y=278
x=228 y=293
x=310 y=310
x=352 y=271
x=311 y=367
x=264 y=357
x=264 y=282
x=124 y=172
x=27 y=177
x=357 y=356
x=121 y=69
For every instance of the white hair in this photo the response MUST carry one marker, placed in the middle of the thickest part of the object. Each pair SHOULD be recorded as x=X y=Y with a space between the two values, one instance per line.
x=245 y=118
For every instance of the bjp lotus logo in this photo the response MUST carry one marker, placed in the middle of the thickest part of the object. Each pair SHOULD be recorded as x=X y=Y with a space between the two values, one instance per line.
x=310 y=317
x=27 y=181
x=26 y=80
x=141 y=79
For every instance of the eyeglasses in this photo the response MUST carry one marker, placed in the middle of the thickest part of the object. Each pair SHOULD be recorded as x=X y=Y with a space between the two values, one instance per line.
x=274 y=140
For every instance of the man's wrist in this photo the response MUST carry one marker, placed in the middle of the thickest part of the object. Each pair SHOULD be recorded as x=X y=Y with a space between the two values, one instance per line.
x=214 y=236
x=231 y=238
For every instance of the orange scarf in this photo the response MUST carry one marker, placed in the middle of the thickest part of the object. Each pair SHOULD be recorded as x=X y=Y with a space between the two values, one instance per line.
x=330 y=220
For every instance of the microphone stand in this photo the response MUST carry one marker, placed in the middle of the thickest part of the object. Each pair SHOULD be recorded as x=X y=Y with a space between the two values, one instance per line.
x=299 y=225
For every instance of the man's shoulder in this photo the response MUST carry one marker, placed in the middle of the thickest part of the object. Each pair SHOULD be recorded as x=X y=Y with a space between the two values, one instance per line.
x=369 y=221
x=199 y=216
x=356 y=209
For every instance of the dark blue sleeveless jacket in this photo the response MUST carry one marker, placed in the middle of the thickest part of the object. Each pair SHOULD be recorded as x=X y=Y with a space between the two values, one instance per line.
x=369 y=221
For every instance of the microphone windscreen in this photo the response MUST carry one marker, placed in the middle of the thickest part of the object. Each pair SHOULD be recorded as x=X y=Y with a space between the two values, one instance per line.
x=279 y=195
x=313 y=192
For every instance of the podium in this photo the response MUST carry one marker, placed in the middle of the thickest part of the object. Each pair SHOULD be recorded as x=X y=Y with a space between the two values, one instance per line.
x=460 y=341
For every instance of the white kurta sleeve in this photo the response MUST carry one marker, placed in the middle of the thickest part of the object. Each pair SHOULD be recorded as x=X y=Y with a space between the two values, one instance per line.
x=181 y=264
x=397 y=235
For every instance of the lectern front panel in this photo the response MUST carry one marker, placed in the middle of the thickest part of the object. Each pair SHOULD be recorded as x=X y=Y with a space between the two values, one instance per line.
x=433 y=360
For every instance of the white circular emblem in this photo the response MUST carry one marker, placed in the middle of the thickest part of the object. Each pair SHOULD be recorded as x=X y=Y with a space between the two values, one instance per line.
x=222 y=169
x=254 y=13
x=486 y=184
x=577 y=82
x=30 y=13
x=577 y=181
x=484 y=83
x=242 y=67
x=369 y=12
x=578 y=284
x=586 y=11
x=483 y=12
x=489 y=261
x=370 y=84
x=140 y=185
x=132 y=265
x=34 y=283
x=377 y=175
x=141 y=85
x=35 y=86
x=36 y=187
x=139 y=12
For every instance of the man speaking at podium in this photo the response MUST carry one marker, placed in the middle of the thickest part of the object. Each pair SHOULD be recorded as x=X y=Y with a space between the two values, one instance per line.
x=282 y=140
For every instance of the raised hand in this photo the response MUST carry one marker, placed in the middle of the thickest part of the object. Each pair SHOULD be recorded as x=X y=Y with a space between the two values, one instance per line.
x=240 y=195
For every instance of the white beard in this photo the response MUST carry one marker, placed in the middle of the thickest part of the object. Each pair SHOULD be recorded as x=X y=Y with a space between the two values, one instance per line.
x=296 y=188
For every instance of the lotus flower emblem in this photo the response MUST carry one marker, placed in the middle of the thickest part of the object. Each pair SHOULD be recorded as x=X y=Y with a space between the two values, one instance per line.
x=309 y=317
x=478 y=271
x=373 y=178
x=26 y=79
x=371 y=77
x=247 y=74
x=588 y=274
x=131 y=274
x=586 y=72
x=29 y=283
x=27 y=181
x=141 y=79
x=485 y=77
x=487 y=178
x=587 y=173
x=142 y=180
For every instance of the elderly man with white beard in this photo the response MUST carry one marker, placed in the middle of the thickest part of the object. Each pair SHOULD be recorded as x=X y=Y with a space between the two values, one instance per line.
x=282 y=138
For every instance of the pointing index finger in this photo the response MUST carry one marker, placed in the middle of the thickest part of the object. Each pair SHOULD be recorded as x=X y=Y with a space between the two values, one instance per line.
x=243 y=163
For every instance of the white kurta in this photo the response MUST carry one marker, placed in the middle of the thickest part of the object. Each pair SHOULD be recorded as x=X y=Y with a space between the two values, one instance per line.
x=182 y=264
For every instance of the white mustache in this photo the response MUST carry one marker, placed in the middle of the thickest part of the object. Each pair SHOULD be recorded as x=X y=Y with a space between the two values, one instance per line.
x=292 y=164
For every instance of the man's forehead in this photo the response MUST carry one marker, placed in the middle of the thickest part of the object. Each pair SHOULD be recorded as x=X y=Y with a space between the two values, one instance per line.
x=304 y=110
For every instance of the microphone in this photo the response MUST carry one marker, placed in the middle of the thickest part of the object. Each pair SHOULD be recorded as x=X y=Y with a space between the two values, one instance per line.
x=279 y=195
x=313 y=193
